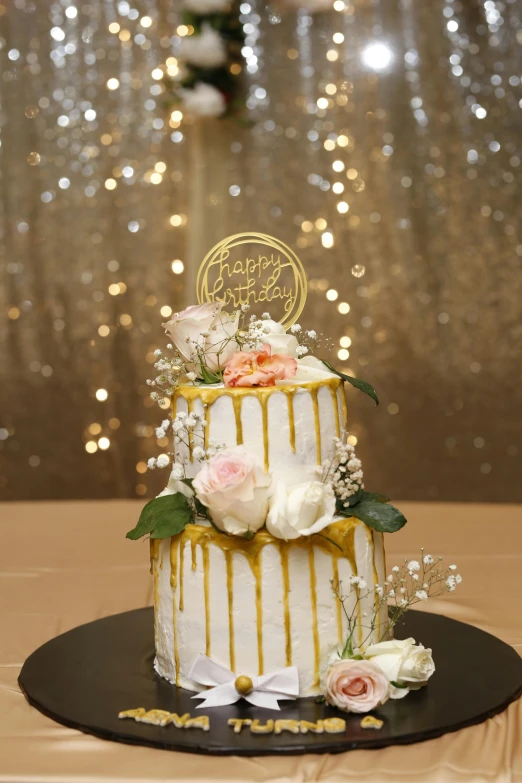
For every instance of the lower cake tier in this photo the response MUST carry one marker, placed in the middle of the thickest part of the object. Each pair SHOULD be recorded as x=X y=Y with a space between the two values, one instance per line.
x=260 y=605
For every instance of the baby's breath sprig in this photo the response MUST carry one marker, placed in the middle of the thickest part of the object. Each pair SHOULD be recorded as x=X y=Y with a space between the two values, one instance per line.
x=184 y=432
x=343 y=472
x=406 y=585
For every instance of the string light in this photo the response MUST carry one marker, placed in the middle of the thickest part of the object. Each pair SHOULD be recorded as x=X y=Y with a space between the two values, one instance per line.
x=327 y=239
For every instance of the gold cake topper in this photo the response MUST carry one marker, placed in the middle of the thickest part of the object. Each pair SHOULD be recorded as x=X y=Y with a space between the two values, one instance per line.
x=251 y=269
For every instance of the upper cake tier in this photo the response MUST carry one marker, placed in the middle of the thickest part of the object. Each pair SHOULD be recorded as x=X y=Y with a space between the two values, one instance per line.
x=289 y=427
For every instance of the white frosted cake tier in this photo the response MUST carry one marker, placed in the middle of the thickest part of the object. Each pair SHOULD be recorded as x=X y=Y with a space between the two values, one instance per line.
x=289 y=427
x=262 y=604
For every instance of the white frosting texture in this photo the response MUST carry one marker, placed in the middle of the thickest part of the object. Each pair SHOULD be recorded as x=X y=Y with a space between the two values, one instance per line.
x=290 y=427
x=258 y=606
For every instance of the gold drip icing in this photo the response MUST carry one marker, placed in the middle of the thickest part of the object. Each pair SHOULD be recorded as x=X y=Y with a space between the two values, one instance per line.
x=341 y=535
x=206 y=434
x=237 y=402
x=174 y=584
x=264 y=411
x=181 y=564
x=230 y=590
x=317 y=423
x=206 y=590
x=173 y=565
x=153 y=549
x=313 y=596
x=190 y=409
x=291 y=420
x=208 y=395
x=259 y=617
x=338 y=604
x=154 y=555
x=283 y=550
x=335 y=403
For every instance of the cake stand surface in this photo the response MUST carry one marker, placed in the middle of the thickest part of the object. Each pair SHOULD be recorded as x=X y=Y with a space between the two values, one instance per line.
x=86 y=676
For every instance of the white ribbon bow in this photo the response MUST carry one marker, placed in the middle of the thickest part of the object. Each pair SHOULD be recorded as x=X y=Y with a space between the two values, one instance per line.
x=266 y=690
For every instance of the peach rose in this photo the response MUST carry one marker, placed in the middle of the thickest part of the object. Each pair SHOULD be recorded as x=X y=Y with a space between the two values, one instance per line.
x=355 y=686
x=258 y=368
x=234 y=488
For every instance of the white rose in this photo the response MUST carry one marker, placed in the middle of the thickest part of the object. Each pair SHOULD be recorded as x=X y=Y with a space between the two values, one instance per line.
x=175 y=485
x=207 y=328
x=203 y=100
x=207 y=50
x=203 y=7
x=234 y=488
x=403 y=662
x=278 y=339
x=301 y=510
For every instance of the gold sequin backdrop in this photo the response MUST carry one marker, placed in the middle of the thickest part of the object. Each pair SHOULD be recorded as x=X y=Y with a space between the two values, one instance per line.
x=385 y=148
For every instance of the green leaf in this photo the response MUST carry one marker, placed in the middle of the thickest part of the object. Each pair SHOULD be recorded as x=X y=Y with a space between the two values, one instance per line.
x=355 y=498
x=380 y=516
x=361 y=385
x=209 y=377
x=398 y=684
x=164 y=513
x=374 y=496
x=348 y=648
x=172 y=525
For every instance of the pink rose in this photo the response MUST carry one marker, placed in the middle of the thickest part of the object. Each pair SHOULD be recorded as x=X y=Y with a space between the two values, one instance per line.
x=259 y=368
x=234 y=488
x=355 y=686
x=204 y=331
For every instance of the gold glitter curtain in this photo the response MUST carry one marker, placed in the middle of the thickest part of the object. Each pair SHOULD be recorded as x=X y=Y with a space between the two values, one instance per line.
x=385 y=148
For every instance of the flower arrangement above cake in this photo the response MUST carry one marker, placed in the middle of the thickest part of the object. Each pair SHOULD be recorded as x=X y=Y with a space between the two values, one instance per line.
x=230 y=489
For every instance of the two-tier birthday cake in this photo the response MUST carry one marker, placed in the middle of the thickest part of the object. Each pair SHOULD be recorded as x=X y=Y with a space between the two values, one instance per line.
x=267 y=552
x=274 y=612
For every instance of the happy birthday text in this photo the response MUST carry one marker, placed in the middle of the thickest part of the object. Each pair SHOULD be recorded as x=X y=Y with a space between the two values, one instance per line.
x=249 y=281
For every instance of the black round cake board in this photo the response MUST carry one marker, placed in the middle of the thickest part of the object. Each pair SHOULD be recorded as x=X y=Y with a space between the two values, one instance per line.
x=86 y=676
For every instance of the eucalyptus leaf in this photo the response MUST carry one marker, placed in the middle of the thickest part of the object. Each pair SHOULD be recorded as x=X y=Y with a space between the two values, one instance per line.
x=161 y=512
x=380 y=516
x=361 y=385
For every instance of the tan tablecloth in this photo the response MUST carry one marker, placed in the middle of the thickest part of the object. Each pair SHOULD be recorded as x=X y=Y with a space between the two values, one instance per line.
x=63 y=564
